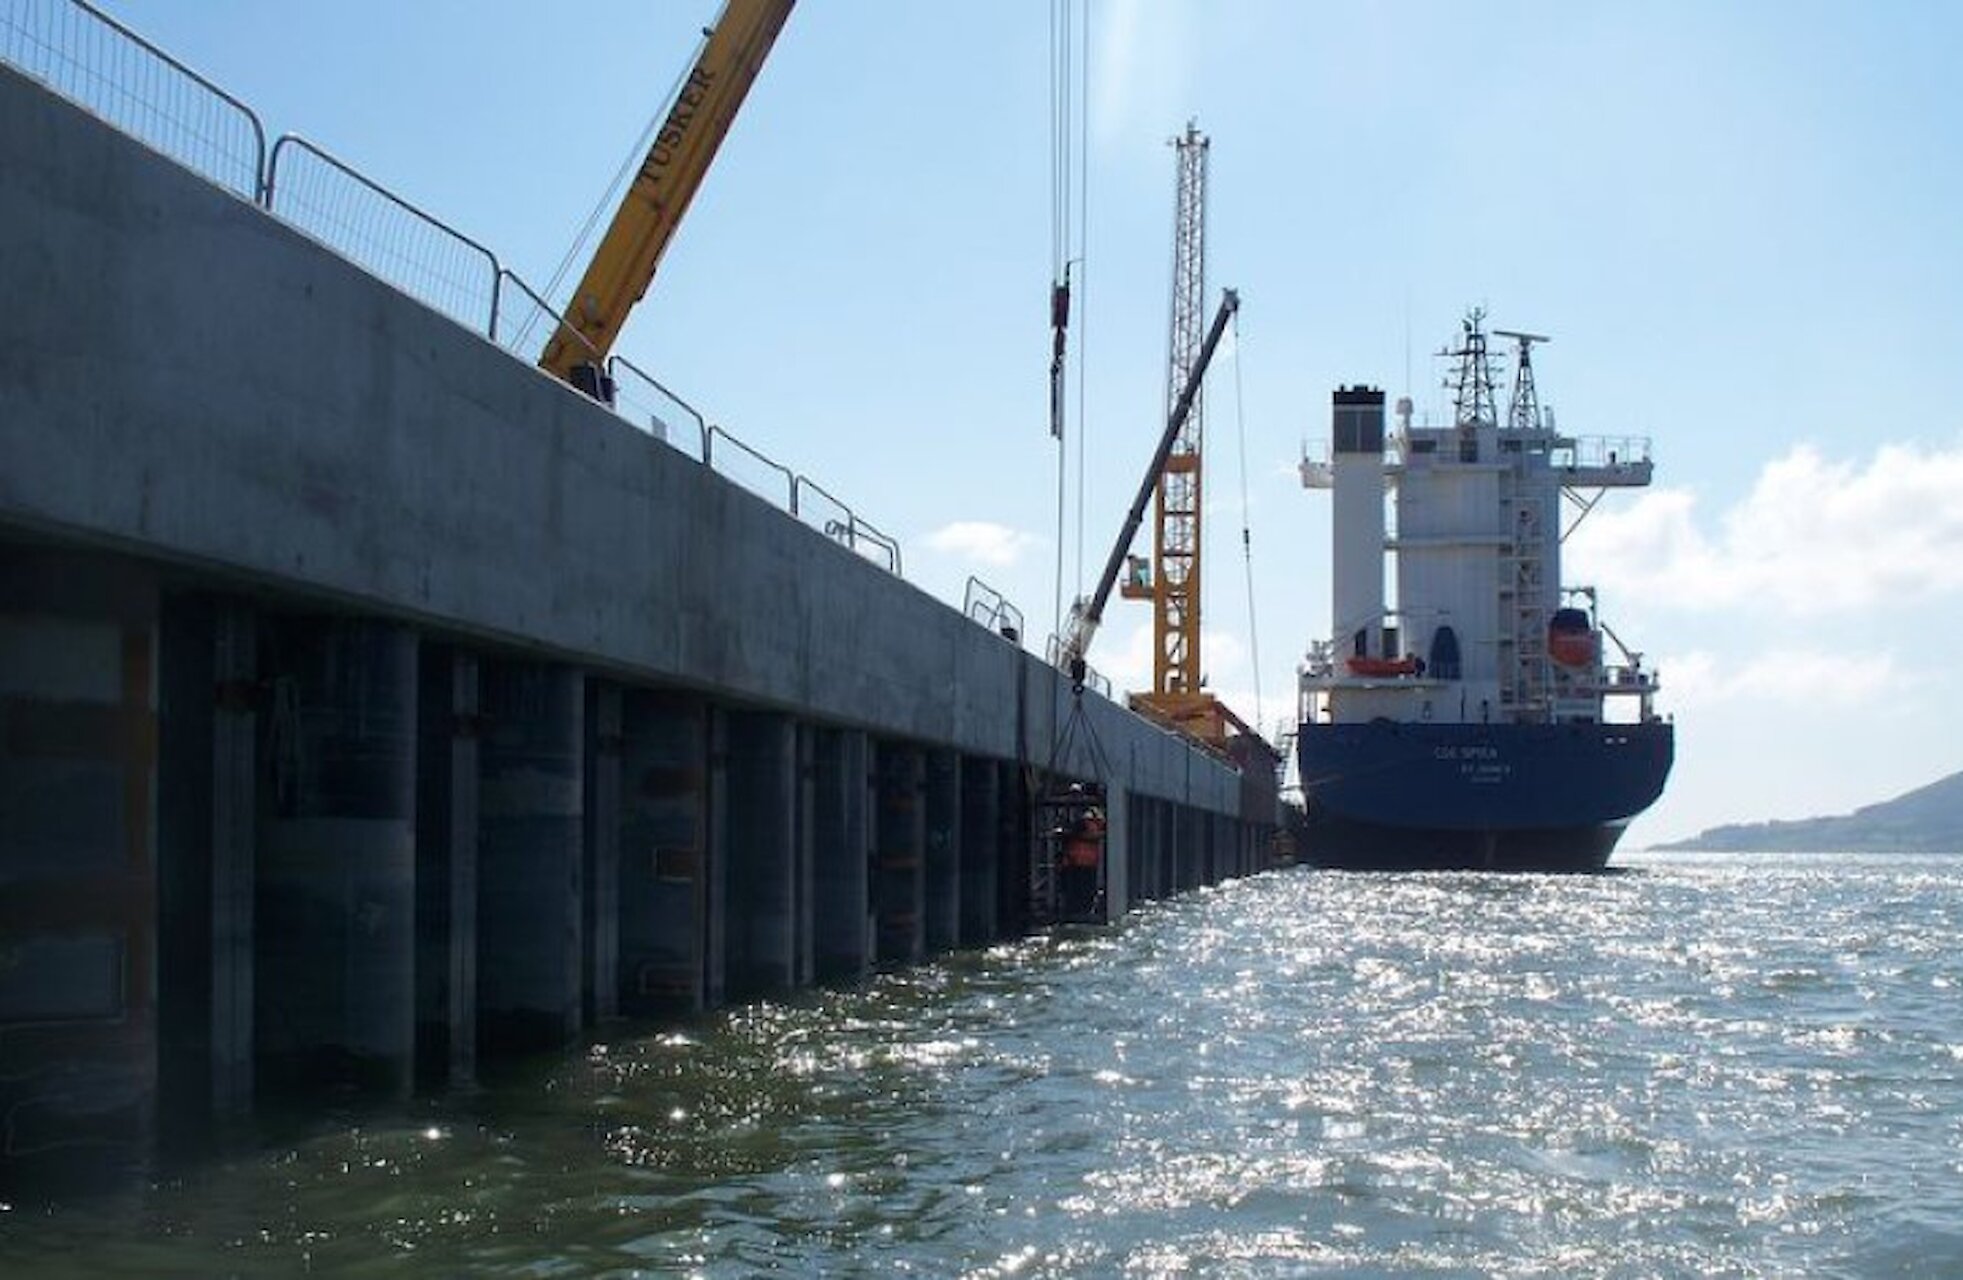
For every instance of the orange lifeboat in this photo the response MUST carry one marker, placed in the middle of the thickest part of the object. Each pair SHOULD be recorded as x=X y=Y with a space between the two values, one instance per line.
x=1405 y=666
x=1571 y=639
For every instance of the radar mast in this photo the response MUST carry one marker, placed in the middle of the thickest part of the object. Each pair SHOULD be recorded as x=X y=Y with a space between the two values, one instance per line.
x=1524 y=415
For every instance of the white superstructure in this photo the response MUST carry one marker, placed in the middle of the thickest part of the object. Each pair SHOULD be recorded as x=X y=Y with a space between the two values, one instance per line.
x=1480 y=629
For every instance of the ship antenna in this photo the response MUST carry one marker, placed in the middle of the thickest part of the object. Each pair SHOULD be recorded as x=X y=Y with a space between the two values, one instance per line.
x=1524 y=415
x=1407 y=340
x=1473 y=402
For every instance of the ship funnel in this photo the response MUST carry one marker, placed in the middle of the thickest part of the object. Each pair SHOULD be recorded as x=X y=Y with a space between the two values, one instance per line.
x=1357 y=580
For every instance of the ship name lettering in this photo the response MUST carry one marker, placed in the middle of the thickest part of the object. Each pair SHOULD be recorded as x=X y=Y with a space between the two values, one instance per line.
x=1472 y=751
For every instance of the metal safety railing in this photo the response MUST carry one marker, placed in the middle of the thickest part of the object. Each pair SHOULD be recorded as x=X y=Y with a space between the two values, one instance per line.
x=93 y=60
x=86 y=56
x=749 y=460
x=516 y=312
x=843 y=525
x=831 y=516
x=984 y=604
x=378 y=230
x=863 y=538
x=639 y=396
x=1094 y=680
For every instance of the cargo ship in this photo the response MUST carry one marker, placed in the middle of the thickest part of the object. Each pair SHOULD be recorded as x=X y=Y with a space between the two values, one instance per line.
x=1478 y=719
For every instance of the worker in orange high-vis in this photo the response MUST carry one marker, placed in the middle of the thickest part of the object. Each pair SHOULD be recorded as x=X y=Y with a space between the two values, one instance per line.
x=1081 y=860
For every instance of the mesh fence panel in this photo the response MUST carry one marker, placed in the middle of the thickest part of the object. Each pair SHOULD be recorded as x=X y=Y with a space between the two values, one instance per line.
x=383 y=233
x=92 y=60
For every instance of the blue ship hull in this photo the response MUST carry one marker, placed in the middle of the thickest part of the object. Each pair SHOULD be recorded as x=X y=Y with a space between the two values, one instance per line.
x=1402 y=796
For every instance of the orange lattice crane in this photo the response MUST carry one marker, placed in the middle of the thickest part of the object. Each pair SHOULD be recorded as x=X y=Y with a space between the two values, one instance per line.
x=1171 y=580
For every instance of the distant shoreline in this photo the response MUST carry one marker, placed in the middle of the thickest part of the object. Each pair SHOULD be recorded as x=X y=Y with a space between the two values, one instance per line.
x=1685 y=846
x=1926 y=820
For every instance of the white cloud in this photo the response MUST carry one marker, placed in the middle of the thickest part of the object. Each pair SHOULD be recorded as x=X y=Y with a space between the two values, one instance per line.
x=984 y=542
x=1813 y=537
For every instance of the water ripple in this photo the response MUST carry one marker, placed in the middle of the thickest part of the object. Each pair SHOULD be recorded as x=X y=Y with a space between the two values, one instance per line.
x=1746 y=1066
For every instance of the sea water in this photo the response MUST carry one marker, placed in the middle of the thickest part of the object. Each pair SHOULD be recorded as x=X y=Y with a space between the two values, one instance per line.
x=1741 y=1065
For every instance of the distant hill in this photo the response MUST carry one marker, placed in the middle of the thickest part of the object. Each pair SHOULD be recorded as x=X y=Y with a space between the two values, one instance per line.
x=1926 y=820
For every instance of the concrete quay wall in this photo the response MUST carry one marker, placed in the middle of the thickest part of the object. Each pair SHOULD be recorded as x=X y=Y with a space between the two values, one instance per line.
x=374 y=707
x=185 y=376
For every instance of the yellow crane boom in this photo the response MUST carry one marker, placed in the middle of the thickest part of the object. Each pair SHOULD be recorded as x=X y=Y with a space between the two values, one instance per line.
x=683 y=147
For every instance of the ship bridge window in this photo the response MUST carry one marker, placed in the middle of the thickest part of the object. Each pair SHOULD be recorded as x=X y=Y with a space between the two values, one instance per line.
x=1359 y=431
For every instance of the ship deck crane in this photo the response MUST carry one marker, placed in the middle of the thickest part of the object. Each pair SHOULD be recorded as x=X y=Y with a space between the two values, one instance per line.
x=624 y=264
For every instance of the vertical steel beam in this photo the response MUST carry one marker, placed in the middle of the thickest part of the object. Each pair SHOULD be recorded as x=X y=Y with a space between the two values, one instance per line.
x=78 y=888
x=664 y=832
x=759 y=845
x=900 y=840
x=529 y=855
x=334 y=910
x=941 y=863
x=714 y=926
x=600 y=977
x=981 y=852
x=1118 y=859
x=448 y=728
x=1015 y=846
x=804 y=946
x=234 y=756
x=842 y=804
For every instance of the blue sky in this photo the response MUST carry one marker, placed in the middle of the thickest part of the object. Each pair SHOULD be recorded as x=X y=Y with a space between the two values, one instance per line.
x=1737 y=221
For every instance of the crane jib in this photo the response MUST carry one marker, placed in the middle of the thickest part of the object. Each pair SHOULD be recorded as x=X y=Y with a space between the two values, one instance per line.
x=674 y=130
x=686 y=141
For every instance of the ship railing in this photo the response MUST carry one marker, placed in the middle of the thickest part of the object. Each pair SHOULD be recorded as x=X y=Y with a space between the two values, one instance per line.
x=1311 y=699
x=105 y=68
x=1623 y=680
x=1318 y=467
x=989 y=607
x=1597 y=452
